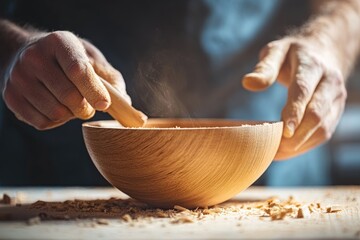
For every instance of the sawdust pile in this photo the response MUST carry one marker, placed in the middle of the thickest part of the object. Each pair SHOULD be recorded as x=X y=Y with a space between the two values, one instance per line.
x=132 y=211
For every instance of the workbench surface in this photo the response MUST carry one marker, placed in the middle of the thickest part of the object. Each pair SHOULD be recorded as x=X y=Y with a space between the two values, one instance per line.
x=337 y=225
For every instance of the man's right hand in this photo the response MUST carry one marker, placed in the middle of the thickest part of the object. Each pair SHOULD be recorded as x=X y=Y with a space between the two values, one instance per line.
x=52 y=80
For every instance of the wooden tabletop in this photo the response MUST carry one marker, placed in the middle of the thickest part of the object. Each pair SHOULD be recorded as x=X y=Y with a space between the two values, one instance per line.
x=233 y=225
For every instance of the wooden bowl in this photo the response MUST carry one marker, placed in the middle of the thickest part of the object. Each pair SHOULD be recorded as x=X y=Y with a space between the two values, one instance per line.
x=192 y=163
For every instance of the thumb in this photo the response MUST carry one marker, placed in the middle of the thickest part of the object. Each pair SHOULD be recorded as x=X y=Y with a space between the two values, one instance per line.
x=272 y=57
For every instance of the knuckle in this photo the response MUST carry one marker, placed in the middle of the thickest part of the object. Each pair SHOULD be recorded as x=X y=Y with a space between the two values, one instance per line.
x=308 y=62
x=21 y=82
x=297 y=45
x=117 y=78
x=75 y=68
x=116 y=74
x=326 y=134
x=68 y=95
x=343 y=92
x=316 y=62
x=315 y=113
x=58 y=113
x=294 y=48
x=337 y=78
x=302 y=87
x=293 y=111
x=31 y=56
x=274 y=46
x=85 y=111
x=58 y=36
x=88 y=115
x=42 y=124
x=77 y=104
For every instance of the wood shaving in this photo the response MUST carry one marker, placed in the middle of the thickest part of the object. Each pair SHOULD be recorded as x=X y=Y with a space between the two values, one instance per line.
x=127 y=218
x=6 y=199
x=180 y=208
x=102 y=221
x=34 y=221
x=182 y=220
x=304 y=212
x=131 y=211
x=333 y=209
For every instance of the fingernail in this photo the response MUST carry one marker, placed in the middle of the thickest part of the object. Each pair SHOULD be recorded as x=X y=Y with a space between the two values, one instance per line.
x=289 y=129
x=102 y=105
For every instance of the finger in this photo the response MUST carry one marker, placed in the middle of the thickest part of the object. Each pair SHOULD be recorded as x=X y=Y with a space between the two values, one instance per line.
x=114 y=77
x=326 y=106
x=38 y=96
x=47 y=104
x=321 y=135
x=93 y=52
x=65 y=91
x=267 y=70
x=73 y=60
x=316 y=111
x=305 y=76
x=24 y=111
x=326 y=130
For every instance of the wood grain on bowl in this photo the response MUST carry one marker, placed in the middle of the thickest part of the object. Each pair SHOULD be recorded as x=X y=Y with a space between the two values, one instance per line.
x=182 y=162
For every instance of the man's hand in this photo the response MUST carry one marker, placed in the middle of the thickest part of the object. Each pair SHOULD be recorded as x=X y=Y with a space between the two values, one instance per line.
x=56 y=78
x=316 y=91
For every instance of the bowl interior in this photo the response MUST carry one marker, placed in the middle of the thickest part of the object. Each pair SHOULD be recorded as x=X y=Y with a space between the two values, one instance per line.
x=176 y=124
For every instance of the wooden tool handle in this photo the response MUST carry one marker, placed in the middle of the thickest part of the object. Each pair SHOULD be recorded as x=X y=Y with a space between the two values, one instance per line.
x=122 y=111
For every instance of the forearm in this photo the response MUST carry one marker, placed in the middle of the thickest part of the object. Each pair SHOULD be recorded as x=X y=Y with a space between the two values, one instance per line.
x=336 y=24
x=12 y=38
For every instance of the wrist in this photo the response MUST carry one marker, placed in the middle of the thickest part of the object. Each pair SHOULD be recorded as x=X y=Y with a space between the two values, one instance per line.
x=12 y=39
x=322 y=34
x=335 y=26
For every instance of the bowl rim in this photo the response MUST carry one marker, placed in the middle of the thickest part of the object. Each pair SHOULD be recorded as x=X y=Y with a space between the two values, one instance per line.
x=233 y=124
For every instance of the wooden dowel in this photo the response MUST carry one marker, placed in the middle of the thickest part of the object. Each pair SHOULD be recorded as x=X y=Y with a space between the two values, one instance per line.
x=122 y=111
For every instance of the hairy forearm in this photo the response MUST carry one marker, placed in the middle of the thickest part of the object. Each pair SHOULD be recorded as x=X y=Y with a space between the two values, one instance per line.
x=12 y=38
x=336 y=25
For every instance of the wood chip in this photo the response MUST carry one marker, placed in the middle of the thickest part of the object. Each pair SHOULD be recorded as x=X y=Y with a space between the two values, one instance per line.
x=303 y=212
x=182 y=220
x=6 y=199
x=277 y=213
x=333 y=209
x=102 y=221
x=34 y=220
x=133 y=212
x=161 y=214
x=180 y=208
x=206 y=212
x=127 y=218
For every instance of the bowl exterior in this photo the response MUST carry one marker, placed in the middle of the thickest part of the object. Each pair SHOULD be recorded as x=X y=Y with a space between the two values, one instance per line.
x=191 y=168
